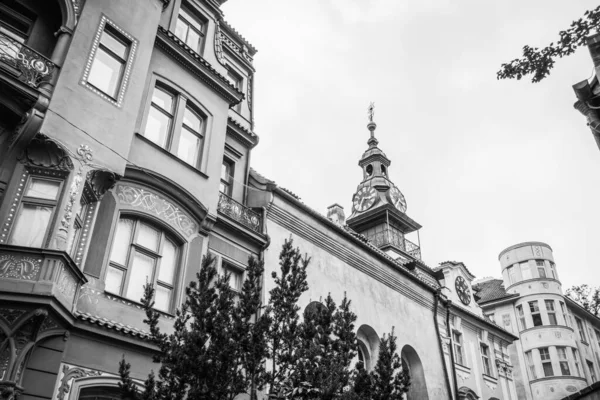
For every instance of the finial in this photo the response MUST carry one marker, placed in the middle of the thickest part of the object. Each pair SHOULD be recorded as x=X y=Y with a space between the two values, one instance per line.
x=371 y=111
x=372 y=142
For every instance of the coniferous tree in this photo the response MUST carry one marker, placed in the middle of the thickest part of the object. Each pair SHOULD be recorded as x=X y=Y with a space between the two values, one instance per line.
x=389 y=380
x=215 y=351
x=284 y=335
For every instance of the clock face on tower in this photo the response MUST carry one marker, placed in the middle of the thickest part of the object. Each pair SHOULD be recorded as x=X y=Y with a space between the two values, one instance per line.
x=397 y=199
x=463 y=291
x=364 y=199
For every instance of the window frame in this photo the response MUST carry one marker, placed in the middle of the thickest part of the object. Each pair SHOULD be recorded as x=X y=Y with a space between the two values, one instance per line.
x=590 y=366
x=581 y=329
x=35 y=201
x=237 y=81
x=457 y=345
x=521 y=317
x=563 y=362
x=19 y=16
x=535 y=313
x=116 y=100
x=551 y=311
x=182 y=101
x=484 y=350
x=530 y=364
x=512 y=274
x=195 y=14
x=230 y=266
x=227 y=183
x=546 y=359
x=165 y=234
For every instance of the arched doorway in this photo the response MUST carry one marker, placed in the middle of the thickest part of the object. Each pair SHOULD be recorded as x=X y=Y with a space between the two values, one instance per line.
x=418 y=385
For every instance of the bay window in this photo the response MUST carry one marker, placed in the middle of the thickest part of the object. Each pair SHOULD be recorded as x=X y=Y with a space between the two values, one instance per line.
x=551 y=312
x=183 y=139
x=142 y=254
x=562 y=360
x=35 y=213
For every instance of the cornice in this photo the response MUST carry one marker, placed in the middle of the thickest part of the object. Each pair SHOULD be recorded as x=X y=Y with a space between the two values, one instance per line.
x=343 y=252
x=516 y=246
x=244 y=135
x=191 y=60
x=238 y=36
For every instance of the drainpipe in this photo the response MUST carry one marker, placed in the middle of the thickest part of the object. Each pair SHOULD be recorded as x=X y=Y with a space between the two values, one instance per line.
x=436 y=301
x=448 y=305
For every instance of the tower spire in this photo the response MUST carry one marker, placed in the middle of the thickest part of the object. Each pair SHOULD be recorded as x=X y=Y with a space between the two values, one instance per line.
x=371 y=126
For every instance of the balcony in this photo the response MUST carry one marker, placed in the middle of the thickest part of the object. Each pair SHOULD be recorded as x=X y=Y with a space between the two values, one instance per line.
x=39 y=273
x=239 y=213
x=392 y=237
x=24 y=63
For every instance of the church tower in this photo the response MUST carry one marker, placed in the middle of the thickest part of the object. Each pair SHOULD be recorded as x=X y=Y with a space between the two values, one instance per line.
x=378 y=206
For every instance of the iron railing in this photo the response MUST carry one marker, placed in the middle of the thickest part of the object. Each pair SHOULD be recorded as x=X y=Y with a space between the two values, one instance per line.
x=238 y=212
x=25 y=63
x=394 y=238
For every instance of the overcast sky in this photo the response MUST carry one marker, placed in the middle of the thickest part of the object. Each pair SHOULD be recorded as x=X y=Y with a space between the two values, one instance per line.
x=483 y=164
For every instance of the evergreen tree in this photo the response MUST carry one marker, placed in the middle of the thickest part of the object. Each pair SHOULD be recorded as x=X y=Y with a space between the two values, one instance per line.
x=284 y=334
x=389 y=380
x=216 y=350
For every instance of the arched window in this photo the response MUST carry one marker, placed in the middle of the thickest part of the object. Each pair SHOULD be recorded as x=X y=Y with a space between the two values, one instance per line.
x=142 y=253
x=100 y=393
x=412 y=362
x=368 y=346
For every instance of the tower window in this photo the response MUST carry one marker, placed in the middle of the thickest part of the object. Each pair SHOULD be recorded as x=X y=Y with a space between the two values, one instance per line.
x=530 y=364
x=551 y=312
x=369 y=170
x=383 y=170
x=563 y=361
x=522 y=324
x=535 y=313
x=546 y=362
x=511 y=274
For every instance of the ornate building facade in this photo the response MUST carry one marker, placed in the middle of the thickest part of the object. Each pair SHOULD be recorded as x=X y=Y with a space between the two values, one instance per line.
x=558 y=351
x=126 y=130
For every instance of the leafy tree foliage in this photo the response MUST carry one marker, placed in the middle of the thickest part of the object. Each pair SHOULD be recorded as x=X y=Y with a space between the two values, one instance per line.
x=588 y=297
x=216 y=350
x=538 y=62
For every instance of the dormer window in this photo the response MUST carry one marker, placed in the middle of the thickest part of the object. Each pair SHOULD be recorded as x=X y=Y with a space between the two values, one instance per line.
x=190 y=30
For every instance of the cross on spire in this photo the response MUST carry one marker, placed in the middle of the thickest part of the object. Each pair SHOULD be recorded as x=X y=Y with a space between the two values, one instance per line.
x=372 y=142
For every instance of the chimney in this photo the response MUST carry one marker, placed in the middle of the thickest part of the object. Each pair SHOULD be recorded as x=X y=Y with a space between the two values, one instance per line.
x=335 y=213
x=593 y=43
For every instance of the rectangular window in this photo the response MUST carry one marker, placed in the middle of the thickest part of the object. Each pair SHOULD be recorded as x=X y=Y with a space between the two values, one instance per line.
x=546 y=362
x=227 y=170
x=237 y=81
x=160 y=117
x=521 y=319
x=236 y=276
x=190 y=30
x=563 y=360
x=458 y=350
x=541 y=267
x=590 y=366
x=536 y=316
x=525 y=271
x=485 y=359
x=551 y=312
x=109 y=62
x=511 y=274
x=581 y=329
x=190 y=141
x=563 y=310
x=530 y=365
x=576 y=359
x=36 y=209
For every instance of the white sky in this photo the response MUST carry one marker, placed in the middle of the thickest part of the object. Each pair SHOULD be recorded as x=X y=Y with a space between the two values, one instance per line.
x=483 y=164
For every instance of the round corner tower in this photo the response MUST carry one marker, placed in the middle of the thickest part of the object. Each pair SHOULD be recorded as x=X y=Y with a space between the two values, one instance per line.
x=550 y=361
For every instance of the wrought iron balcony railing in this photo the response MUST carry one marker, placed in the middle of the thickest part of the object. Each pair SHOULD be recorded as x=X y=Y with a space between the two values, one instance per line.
x=238 y=212
x=40 y=272
x=24 y=63
x=394 y=238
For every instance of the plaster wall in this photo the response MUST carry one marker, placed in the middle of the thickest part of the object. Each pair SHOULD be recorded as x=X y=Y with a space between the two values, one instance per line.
x=375 y=303
x=86 y=111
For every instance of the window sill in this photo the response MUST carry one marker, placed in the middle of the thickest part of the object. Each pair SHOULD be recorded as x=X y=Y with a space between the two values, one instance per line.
x=462 y=368
x=136 y=304
x=585 y=342
x=489 y=378
x=171 y=155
